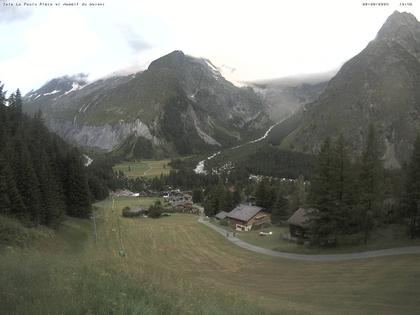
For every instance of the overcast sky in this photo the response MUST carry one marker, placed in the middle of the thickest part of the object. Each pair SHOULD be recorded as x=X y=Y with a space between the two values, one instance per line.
x=255 y=39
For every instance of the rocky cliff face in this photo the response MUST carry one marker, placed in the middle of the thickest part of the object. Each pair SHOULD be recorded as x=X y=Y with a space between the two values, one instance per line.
x=180 y=102
x=379 y=86
x=105 y=136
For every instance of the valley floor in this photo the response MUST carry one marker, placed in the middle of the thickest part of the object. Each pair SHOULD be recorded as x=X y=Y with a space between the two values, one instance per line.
x=175 y=265
x=144 y=168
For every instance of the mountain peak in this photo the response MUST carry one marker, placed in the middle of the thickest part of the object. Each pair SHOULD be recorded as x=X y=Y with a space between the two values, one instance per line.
x=176 y=53
x=398 y=23
x=170 y=60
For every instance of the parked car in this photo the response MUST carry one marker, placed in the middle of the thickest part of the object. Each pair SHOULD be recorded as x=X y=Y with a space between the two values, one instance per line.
x=265 y=233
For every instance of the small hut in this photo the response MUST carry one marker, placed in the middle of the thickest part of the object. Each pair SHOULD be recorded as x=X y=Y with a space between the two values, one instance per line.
x=221 y=215
x=299 y=223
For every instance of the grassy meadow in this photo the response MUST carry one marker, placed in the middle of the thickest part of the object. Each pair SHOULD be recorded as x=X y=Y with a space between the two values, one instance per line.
x=174 y=265
x=146 y=168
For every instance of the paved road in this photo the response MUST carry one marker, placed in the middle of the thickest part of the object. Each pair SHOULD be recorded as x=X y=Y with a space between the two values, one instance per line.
x=320 y=258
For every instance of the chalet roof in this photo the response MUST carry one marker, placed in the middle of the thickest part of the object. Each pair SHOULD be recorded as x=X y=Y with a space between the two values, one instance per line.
x=243 y=212
x=300 y=217
x=221 y=215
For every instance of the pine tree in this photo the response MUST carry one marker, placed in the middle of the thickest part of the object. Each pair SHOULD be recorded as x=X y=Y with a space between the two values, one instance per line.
x=197 y=196
x=26 y=179
x=411 y=198
x=76 y=187
x=265 y=194
x=298 y=194
x=226 y=203
x=343 y=185
x=5 y=203
x=280 y=209
x=261 y=193
x=2 y=95
x=18 y=102
x=324 y=220
x=11 y=202
x=371 y=175
x=40 y=176
x=236 y=197
x=52 y=204
x=211 y=203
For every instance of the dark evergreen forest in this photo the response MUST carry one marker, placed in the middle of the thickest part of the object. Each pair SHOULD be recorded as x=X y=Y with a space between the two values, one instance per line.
x=42 y=178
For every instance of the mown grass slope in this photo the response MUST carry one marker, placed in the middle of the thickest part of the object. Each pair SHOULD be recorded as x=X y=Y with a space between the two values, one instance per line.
x=174 y=265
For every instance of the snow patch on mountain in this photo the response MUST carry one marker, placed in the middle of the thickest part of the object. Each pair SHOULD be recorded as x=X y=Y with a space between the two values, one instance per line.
x=51 y=93
x=75 y=86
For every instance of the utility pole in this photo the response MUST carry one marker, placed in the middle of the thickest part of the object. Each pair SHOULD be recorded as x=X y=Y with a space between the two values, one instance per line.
x=121 y=252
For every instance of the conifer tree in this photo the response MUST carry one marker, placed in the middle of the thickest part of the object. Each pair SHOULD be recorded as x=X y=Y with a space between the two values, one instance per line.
x=236 y=197
x=76 y=186
x=2 y=95
x=197 y=196
x=411 y=198
x=11 y=202
x=26 y=179
x=40 y=175
x=265 y=194
x=323 y=221
x=371 y=175
x=280 y=209
x=5 y=203
x=226 y=203
x=18 y=101
x=342 y=185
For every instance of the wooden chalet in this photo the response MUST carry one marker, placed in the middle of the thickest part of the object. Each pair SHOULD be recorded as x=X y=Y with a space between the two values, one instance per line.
x=244 y=217
x=299 y=223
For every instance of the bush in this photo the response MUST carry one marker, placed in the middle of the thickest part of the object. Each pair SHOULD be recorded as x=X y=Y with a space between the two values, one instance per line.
x=224 y=222
x=156 y=210
x=126 y=212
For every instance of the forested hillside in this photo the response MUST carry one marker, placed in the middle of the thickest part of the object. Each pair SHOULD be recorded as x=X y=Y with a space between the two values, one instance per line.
x=41 y=177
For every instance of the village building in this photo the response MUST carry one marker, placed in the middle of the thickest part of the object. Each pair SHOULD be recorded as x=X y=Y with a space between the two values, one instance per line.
x=176 y=198
x=221 y=215
x=244 y=217
x=299 y=223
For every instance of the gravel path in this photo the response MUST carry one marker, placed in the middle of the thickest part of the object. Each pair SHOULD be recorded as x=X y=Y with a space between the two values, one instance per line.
x=319 y=258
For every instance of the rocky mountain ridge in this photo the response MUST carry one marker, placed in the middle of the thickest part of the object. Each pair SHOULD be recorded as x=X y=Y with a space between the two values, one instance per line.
x=180 y=104
x=379 y=86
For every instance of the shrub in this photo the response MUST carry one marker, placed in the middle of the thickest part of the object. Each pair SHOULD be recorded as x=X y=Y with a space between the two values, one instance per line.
x=126 y=212
x=156 y=210
x=224 y=222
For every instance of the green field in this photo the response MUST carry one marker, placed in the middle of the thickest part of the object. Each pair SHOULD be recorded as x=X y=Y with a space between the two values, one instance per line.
x=175 y=265
x=143 y=168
